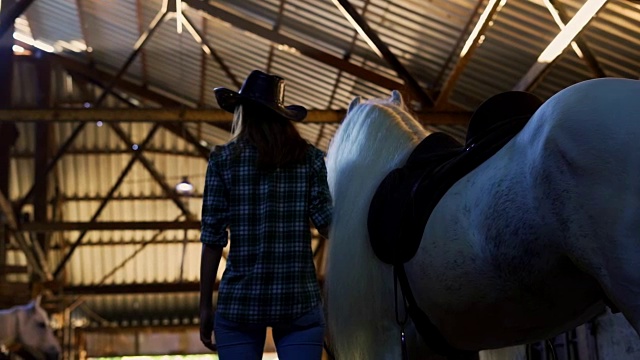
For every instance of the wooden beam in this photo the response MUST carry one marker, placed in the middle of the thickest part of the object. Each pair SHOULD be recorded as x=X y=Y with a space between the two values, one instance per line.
x=201 y=38
x=28 y=154
x=240 y=22
x=141 y=29
x=13 y=269
x=32 y=260
x=6 y=57
x=148 y=288
x=551 y=53
x=67 y=198
x=137 y=288
x=8 y=131
x=382 y=50
x=153 y=325
x=211 y=116
x=9 y=16
x=580 y=45
x=111 y=225
x=102 y=77
x=42 y=136
x=138 y=242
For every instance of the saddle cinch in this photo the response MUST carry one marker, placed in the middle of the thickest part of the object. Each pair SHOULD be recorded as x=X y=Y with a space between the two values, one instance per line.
x=405 y=198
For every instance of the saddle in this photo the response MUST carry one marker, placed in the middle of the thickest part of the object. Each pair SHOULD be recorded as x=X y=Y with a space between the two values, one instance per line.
x=404 y=200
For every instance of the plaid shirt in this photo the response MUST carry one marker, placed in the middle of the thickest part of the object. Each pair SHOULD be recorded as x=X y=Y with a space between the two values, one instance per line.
x=270 y=274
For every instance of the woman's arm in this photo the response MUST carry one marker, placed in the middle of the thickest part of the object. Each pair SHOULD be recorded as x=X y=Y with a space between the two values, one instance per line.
x=209 y=262
x=321 y=207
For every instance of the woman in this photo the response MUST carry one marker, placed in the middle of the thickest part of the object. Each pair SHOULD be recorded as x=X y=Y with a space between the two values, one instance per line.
x=263 y=187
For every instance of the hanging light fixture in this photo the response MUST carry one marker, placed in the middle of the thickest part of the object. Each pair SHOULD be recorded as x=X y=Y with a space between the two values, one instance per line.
x=184 y=187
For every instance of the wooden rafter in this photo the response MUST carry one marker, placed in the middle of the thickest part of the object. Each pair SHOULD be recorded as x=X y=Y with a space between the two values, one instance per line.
x=9 y=16
x=201 y=38
x=36 y=263
x=111 y=225
x=555 y=48
x=122 y=197
x=210 y=116
x=216 y=11
x=203 y=70
x=276 y=28
x=143 y=55
x=382 y=50
x=581 y=47
x=137 y=288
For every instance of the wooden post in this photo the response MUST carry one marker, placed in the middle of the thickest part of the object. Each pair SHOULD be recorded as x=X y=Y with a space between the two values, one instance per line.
x=40 y=191
x=8 y=131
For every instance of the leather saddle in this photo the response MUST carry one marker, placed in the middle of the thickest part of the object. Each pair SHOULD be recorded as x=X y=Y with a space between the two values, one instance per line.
x=405 y=198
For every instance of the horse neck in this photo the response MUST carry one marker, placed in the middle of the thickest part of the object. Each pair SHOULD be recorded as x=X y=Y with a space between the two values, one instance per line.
x=8 y=327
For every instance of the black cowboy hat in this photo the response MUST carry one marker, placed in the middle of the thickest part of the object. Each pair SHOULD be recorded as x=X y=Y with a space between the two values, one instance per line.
x=260 y=89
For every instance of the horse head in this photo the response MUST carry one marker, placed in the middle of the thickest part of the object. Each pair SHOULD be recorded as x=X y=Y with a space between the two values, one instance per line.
x=34 y=332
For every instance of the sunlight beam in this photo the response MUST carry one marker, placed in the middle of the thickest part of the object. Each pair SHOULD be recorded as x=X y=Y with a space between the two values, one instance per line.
x=560 y=42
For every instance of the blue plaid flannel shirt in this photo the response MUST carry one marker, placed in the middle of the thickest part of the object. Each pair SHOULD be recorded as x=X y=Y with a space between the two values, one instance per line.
x=270 y=274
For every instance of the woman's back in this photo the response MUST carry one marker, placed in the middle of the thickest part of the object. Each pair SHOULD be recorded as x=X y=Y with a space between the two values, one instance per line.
x=270 y=265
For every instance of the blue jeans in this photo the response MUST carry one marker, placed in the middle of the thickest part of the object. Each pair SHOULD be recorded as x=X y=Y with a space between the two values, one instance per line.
x=300 y=338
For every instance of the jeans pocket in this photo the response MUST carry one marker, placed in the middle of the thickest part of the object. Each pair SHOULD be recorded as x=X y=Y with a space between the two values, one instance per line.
x=313 y=318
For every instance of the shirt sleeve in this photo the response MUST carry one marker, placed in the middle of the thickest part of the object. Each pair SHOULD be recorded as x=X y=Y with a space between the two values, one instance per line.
x=215 y=206
x=321 y=206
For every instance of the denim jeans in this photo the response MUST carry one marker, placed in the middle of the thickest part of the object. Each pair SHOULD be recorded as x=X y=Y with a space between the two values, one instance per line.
x=300 y=338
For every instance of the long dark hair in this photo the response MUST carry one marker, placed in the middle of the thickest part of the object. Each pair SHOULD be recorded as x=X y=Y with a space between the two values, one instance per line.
x=278 y=141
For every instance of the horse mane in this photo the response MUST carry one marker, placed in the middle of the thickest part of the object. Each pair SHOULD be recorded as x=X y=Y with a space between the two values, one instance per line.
x=375 y=137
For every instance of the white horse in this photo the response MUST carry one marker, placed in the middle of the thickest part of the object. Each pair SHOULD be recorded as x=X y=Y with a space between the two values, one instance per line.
x=526 y=246
x=25 y=329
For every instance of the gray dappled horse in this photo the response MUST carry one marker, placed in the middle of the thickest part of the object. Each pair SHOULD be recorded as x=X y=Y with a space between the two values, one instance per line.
x=530 y=243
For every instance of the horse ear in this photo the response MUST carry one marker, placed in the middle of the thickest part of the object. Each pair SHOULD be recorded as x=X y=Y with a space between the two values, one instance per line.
x=35 y=303
x=355 y=102
x=396 y=98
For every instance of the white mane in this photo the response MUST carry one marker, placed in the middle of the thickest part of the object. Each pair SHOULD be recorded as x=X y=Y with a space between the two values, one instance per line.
x=375 y=137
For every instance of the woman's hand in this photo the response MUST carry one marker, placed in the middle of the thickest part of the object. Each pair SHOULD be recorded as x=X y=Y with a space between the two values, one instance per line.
x=206 y=329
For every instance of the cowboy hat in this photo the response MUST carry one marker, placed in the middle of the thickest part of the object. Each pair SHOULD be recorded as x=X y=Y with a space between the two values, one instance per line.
x=263 y=90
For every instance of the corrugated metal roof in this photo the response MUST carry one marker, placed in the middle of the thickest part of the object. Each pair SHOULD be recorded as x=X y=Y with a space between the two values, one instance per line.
x=424 y=35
